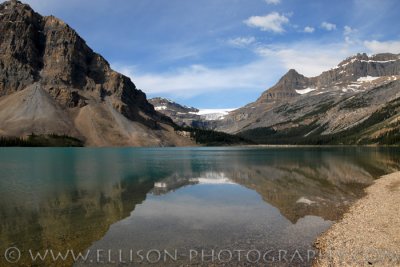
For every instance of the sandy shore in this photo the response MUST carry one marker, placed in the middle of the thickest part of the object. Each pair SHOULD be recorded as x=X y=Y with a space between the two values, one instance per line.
x=369 y=234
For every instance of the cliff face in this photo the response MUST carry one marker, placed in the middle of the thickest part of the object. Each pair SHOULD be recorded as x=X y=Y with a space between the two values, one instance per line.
x=45 y=58
x=21 y=45
x=360 y=65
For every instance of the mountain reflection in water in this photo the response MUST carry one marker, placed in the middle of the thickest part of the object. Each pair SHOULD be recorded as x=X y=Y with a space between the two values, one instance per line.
x=200 y=197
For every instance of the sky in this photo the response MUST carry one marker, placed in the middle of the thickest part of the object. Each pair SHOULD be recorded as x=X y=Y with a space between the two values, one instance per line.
x=225 y=53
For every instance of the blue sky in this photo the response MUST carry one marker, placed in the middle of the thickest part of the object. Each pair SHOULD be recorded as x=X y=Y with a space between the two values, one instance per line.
x=225 y=53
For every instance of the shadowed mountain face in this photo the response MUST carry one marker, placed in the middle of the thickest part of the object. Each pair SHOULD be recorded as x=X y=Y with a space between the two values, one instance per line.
x=52 y=82
x=356 y=102
x=67 y=199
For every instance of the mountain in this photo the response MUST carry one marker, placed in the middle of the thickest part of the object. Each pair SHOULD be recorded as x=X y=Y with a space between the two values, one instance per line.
x=357 y=102
x=189 y=116
x=285 y=88
x=181 y=115
x=52 y=82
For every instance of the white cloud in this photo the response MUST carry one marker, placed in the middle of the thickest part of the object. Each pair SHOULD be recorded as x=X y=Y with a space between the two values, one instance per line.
x=308 y=58
x=328 y=26
x=347 y=30
x=309 y=29
x=273 y=2
x=273 y=22
x=350 y=36
x=348 y=40
x=198 y=79
x=241 y=41
x=383 y=47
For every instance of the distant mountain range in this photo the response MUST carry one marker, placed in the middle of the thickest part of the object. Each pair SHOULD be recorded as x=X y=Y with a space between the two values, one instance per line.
x=189 y=116
x=357 y=102
x=52 y=83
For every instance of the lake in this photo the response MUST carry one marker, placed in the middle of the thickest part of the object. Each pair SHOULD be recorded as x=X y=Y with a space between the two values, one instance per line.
x=174 y=206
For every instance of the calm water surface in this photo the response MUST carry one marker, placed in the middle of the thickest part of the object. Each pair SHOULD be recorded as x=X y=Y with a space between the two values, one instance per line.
x=136 y=205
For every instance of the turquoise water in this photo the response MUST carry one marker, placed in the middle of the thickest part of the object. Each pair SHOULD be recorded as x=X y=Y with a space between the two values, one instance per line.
x=179 y=200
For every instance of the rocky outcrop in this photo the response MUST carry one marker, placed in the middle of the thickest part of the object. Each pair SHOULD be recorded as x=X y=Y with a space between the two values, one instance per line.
x=46 y=52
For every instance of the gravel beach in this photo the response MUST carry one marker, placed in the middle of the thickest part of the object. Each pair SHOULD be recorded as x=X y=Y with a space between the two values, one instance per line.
x=369 y=233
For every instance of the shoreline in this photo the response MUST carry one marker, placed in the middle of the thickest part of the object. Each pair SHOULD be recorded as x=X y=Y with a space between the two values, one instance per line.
x=220 y=146
x=369 y=232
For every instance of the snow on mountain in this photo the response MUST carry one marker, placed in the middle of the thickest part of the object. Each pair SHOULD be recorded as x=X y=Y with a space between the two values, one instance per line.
x=213 y=114
x=305 y=91
x=367 y=79
x=190 y=116
x=158 y=108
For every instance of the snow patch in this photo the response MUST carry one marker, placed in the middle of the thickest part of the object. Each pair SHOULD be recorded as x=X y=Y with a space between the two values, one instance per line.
x=214 y=111
x=160 y=108
x=367 y=79
x=351 y=61
x=356 y=85
x=361 y=60
x=379 y=61
x=304 y=200
x=305 y=91
x=213 y=114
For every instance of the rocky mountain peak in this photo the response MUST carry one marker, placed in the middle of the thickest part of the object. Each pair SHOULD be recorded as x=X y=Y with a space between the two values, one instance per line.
x=15 y=9
x=286 y=87
x=14 y=4
x=292 y=72
x=356 y=74
x=293 y=79
x=56 y=83
x=47 y=51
